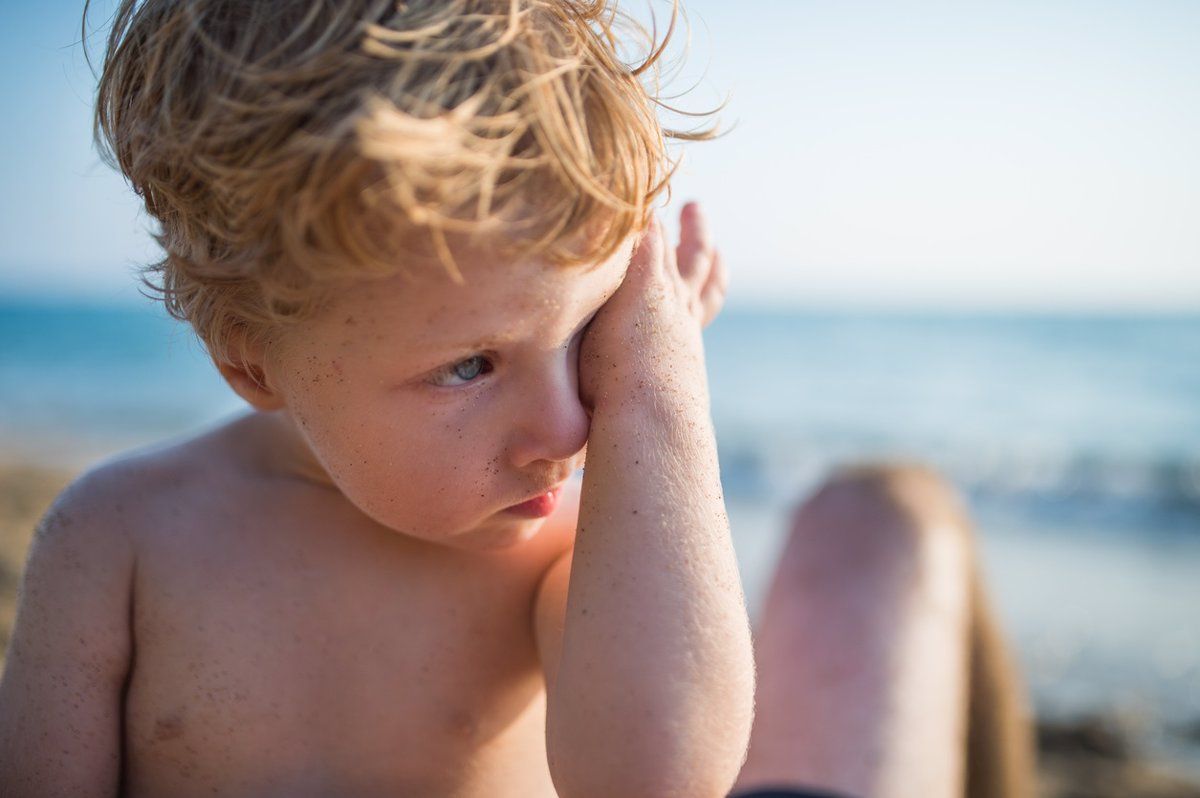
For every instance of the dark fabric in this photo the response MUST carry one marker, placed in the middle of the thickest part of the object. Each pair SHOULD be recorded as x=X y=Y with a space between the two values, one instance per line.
x=786 y=792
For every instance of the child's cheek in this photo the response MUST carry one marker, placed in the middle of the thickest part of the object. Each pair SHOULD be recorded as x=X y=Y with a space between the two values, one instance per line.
x=419 y=472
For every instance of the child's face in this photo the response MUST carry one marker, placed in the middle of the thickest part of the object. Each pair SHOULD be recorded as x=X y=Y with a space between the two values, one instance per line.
x=435 y=407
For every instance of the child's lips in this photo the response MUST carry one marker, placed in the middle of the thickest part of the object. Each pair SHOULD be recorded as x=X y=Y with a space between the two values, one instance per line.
x=539 y=506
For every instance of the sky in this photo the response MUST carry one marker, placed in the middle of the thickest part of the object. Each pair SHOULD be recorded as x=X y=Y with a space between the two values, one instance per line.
x=1017 y=156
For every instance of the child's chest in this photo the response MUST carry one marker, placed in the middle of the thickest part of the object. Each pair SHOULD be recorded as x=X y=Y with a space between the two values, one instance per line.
x=284 y=657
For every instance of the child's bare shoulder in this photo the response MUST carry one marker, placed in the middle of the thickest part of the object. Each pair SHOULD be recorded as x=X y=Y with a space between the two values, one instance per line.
x=118 y=509
x=98 y=518
x=118 y=492
x=136 y=492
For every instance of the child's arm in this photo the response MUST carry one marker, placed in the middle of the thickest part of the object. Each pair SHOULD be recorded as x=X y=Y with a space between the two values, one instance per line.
x=652 y=691
x=67 y=662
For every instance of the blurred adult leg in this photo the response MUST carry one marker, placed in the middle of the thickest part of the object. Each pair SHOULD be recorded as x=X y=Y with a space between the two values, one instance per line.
x=880 y=665
x=1001 y=748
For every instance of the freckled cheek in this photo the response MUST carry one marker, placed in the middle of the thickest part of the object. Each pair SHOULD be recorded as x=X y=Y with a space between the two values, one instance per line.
x=464 y=455
x=387 y=472
x=441 y=485
x=318 y=395
x=336 y=425
x=461 y=443
x=341 y=417
x=421 y=446
x=409 y=463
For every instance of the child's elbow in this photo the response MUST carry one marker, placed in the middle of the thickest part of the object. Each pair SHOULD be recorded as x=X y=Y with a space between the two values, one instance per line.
x=641 y=782
x=673 y=747
x=584 y=767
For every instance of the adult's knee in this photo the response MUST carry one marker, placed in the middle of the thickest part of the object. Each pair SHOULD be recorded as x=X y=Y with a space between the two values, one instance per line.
x=910 y=489
x=883 y=513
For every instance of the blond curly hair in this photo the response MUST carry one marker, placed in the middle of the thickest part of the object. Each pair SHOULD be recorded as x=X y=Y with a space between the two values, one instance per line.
x=284 y=145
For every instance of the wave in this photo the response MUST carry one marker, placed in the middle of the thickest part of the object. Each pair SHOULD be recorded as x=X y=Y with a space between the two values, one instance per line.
x=1162 y=482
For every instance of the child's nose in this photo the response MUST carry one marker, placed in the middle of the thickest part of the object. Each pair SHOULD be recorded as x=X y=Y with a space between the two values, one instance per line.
x=551 y=422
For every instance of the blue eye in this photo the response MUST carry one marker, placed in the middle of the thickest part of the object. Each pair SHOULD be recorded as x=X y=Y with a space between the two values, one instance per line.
x=469 y=369
x=465 y=370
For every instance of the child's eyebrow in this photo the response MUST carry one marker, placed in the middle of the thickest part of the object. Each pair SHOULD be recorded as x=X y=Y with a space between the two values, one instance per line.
x=442 y=353
x=474 y=345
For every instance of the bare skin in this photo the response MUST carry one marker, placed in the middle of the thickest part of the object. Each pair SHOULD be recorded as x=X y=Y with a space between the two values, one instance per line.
x=882 y=667
x=285 y=645
x=328 y=596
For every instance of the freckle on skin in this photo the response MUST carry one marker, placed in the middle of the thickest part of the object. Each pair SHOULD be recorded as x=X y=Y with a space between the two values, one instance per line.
x=169 y=727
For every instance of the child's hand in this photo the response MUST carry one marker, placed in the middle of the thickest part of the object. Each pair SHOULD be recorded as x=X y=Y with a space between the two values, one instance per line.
x=699 y=264
x=647 y=336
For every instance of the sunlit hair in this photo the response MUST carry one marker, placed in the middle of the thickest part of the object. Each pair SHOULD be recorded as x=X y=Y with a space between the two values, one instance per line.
x=283 y=145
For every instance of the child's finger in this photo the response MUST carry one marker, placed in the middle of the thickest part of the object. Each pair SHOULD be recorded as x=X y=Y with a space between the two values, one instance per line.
x=712 y=297
x=669 y=255
x=718 y=278
x=712 y=308
x=694 y=253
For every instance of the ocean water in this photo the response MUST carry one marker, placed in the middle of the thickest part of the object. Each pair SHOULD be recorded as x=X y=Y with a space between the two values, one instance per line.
x=1076 y=441
x=1043 y=409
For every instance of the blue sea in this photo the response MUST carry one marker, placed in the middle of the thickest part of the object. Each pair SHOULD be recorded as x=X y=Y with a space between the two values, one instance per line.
x=1075 y=439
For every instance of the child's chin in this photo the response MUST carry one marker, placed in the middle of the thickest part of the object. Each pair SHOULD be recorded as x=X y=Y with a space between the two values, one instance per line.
x=497 y=537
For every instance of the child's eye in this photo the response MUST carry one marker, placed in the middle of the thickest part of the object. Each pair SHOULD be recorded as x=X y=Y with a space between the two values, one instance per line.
x=465 y=371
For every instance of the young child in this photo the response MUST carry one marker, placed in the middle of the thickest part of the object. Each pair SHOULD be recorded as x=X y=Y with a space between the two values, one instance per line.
x=417 y=239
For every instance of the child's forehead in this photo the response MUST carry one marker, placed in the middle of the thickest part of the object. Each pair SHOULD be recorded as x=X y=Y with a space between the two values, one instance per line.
x=497 y=302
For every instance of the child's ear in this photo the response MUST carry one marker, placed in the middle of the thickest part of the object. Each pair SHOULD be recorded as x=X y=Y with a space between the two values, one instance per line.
x=244 y=368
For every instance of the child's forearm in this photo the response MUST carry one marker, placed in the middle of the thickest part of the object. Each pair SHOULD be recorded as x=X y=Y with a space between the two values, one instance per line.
x=654 y=693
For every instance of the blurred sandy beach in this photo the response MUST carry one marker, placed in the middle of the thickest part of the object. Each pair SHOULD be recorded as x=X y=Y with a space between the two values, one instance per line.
x=25 y=492
x=1076 y=444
